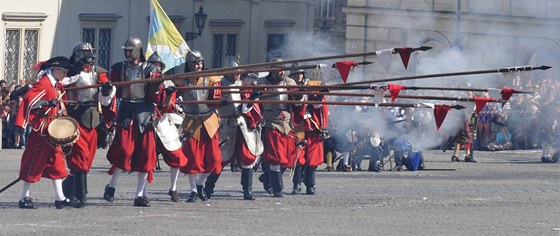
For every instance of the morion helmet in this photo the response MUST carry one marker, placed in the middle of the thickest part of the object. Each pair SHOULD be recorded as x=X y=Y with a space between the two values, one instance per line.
x=135 y=44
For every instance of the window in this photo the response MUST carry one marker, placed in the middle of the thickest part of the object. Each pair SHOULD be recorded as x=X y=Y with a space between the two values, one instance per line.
x=275 y=46
x=100 y=39
x=221 y=50
x=327 y=8
x=20 y=53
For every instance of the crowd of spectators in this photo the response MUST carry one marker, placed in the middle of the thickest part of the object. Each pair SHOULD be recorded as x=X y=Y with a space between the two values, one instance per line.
x=517 y=124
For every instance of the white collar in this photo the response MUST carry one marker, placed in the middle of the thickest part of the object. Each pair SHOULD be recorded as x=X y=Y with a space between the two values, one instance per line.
x=51 y=78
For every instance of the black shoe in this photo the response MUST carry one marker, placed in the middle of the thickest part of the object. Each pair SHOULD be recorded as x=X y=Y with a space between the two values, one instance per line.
x=208 y=191
x=310 y=191
x=27 y=203
x=201 y=194
x=455 y=159
x=192 y=197
x=278 y=194
x=546 y=159
x=78 y=204
x=109 y=194
x=62 y=204
x=174 y=195
x=141 y=202
x=470 y=159
x=296 y=190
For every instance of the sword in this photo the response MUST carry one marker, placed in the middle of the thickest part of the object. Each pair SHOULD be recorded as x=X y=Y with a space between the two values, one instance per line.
x=300 y=145
x=10 y=185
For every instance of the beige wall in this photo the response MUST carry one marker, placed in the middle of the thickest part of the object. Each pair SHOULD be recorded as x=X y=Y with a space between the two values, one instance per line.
x=62 y=27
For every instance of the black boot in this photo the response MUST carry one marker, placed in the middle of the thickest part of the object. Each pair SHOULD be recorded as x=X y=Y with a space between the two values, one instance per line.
x=193 y=197
x=265 y=178
x=68 y=186
x=109 y=193
x=141 y=202
x=276 y=182
x=398 y=161
x=247 y=183
x=201 y=194
x=210 y=184
x=298 y=172
x=310 y=180
x=79 y=190
x=27 y=203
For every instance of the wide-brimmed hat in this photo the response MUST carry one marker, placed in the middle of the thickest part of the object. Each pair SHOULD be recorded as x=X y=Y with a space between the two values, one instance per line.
x=60 y=61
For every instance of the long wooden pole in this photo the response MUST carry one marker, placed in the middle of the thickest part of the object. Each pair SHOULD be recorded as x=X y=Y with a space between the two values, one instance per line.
x=217 y=102
x=353 y=85
x=242 y=69
x=272 y=93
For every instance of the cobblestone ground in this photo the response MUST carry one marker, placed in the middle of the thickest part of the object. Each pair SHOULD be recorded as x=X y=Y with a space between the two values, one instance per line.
x=505 y=193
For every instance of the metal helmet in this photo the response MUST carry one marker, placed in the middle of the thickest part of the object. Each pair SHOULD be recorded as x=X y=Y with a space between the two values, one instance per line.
x=232 y=61
x=135 y=44
x=156 y=58
x=82 y=46
x=194 y=55
x=82 y=51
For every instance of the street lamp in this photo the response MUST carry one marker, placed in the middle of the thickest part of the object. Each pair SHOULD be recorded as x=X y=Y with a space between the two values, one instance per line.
x=200 y=20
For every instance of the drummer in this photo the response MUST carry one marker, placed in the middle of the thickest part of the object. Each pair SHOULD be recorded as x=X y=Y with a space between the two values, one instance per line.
x=41 y=157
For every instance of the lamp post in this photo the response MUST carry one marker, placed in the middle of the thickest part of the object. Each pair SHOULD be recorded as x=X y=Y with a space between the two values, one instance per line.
x=200 y=20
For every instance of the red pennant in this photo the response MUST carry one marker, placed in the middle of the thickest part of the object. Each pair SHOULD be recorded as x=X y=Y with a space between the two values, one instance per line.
x=440 y=111
x=344 y=68
x=480 y=103
x=394 y=89
x=507 y=92
x=38 y=65
x=405 y=55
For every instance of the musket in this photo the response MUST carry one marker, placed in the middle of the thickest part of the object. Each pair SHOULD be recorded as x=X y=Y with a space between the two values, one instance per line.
x=353 y=85
x=10 y=185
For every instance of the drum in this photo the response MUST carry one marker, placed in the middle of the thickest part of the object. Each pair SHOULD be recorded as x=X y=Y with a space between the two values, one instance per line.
x=63 y=131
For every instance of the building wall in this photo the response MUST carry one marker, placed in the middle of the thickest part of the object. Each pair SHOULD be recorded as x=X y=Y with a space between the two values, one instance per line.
x=492 y=33
x=65 y=19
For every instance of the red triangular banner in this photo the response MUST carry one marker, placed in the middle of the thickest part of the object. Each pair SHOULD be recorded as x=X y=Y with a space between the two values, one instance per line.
x=405 y=55
x=440 y=111
x=506 y=93
x=344 y=68
x=394 y=89
x=480 y=103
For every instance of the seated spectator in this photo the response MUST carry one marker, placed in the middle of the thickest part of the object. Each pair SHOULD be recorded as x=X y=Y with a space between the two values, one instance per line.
x=502 y=142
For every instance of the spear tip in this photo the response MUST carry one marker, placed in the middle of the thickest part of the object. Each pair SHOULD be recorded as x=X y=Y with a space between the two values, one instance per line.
x=545 y=67
x=458 y=107
x=425 y=48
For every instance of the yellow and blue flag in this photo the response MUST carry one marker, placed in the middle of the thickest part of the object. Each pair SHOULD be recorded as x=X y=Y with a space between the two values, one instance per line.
x=165 y=39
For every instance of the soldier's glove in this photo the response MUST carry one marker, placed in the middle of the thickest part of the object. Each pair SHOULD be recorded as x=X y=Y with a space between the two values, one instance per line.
x=324 y=134
x=224 y=102
x=301 y=143
x=106 y=89
x=52 y=103
x=255 y=95
x=170 y=90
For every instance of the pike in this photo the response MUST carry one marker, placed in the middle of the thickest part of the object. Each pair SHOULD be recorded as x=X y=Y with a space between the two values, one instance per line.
x=194 y=75
x=414 y=105
x=352 y=85
x=271 y=93
x=240 y=69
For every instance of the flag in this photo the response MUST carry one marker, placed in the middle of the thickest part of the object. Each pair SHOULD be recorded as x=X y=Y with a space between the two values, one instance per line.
x=164 y=38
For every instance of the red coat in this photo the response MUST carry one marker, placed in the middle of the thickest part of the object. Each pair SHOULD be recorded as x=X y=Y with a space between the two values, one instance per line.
x=40 y=158
x=312 y=152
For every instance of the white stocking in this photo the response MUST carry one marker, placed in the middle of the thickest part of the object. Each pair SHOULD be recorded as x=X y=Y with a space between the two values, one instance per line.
x=59 y=195
x=202 y=178
x=174 y=173
x=142 y=180
x=114 y=178
x=192 y=181
x=25 y=190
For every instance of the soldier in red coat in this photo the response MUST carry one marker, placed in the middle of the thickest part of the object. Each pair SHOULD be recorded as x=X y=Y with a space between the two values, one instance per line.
x=85 y=110
x=313 y=120
x=134 y=145
x=41 y=157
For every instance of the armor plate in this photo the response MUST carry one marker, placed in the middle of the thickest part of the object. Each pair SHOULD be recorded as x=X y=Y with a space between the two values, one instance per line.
x=231 y=109
x=85 y=95
x=252 y=137
x=137 y=91
x=197 y=95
